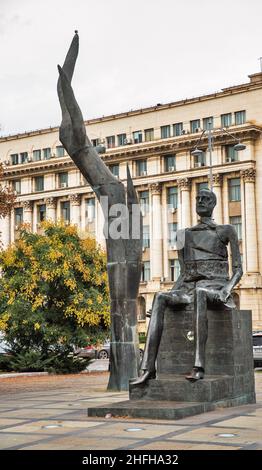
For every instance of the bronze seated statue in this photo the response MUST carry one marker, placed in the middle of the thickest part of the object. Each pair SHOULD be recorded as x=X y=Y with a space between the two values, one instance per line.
x=204 y=279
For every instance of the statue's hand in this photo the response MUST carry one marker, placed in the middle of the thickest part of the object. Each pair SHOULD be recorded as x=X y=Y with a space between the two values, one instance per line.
x=223 y=294
x=72 y=131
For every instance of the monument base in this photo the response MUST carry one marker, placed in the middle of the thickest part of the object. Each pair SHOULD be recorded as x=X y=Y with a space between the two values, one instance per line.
x=229 y=378
x=177 y=388
x=164 y=409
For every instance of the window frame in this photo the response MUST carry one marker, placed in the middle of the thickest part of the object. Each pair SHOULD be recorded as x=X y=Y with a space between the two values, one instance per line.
x=231 y=190
x=37 y=180
x=165 y=131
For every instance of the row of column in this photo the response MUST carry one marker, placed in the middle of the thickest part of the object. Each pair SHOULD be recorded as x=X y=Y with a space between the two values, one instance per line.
x=249 y=226
x=53 y=212
x=157 y=258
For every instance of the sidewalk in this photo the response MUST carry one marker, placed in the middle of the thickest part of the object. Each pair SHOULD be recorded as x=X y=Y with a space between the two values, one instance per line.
x=49 y=412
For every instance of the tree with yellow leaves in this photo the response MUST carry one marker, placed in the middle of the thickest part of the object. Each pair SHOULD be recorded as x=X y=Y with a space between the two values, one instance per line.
x=53 y=292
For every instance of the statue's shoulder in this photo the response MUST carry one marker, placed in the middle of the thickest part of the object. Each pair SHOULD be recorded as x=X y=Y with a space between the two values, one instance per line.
x=225 y=231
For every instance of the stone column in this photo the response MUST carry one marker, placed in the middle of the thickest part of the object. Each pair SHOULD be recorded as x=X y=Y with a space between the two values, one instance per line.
x=28 y=213
x=75 y=201
x=12 y=226
x=217 y=185
x=5 y=230
x=185 y=203
x=51 y=208
x=99 y=225
x=156 y=245
x=83 y=213
x=249 y=176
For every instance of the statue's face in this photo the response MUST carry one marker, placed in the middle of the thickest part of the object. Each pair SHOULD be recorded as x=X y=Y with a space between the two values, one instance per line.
x=205 y=203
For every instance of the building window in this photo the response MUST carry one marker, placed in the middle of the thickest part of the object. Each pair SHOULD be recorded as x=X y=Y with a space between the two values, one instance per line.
x=200 y=160
x=177 y=129
x=141 y=168
x=165 y=132
x=62 y=180
x=231 y=153
x=36 y=155
x=41 y=213
x=237 y=222
x=240 y=117
x=234 y=191
x=145 y=273
x=60 y=151
x=24 y=157
x=39 y=183
x=65 y=211
x=47 y=153
x=141 y=309
x=172 y=197
x=203 y=185
x=14 y=159
x=16 y=185
x=194 y=126
x=114 y=170
x=144 y=202
x=121 y=139
x=111 y=141
x=90 y=210
x=226 y=120
x=95 y=142
x=170 y=162
x=18 y=213
x=149 y=135
x=174 y=269
x=208 y=123
x=172 y=229
x=138 y=137
x=146 y=236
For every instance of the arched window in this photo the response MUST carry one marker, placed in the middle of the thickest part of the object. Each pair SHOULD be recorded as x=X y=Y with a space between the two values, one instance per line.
x=141 y=311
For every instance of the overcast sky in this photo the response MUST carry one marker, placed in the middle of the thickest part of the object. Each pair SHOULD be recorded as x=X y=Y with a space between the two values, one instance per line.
x=133 y=53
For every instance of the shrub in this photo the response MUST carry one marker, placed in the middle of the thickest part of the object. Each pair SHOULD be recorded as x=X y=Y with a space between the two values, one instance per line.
x=53 y=296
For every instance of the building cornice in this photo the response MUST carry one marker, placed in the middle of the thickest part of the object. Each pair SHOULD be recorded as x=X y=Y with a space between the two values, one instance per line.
x=237 y=168
x=146 y=149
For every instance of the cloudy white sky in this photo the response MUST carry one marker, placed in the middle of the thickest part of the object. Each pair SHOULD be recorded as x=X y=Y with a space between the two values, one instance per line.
x=133 y=53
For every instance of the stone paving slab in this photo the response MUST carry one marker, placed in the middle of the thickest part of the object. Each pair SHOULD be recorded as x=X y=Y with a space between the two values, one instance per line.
x=45 y=413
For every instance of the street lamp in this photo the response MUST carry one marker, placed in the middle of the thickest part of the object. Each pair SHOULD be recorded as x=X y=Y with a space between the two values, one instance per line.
x=198 y=152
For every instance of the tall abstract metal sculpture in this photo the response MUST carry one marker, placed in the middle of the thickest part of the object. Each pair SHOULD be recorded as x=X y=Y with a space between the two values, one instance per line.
x=123 y=252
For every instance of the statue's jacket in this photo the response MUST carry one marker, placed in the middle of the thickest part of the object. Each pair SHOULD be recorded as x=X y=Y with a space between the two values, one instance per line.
x=203 y=259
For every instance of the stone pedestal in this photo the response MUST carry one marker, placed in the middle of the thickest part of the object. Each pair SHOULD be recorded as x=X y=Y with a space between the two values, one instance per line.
x=229 y=378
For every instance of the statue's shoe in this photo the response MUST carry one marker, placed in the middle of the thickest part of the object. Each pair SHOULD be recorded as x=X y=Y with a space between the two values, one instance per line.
x=144 y=377
x=196 y=374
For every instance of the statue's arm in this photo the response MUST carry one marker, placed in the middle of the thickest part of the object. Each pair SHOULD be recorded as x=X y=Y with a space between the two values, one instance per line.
x=180 y=278
x=237 y=271
x=72 y=130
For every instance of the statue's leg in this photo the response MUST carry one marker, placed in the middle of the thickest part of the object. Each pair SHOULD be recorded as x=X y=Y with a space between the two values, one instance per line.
x=201 y=327
x=155 y=329
x=154 y=333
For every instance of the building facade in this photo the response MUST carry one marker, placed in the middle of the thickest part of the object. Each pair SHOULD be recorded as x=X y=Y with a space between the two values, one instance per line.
x=157 y=144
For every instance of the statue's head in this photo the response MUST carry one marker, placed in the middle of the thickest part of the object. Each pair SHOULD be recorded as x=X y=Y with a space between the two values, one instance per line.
x=205 y=202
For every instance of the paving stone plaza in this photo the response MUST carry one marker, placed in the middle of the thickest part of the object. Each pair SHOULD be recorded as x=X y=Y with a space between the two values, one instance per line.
x=50 y=413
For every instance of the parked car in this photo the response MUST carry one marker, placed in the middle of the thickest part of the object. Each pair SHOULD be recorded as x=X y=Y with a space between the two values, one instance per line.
x=257 y=348
x=100 y=352
x=103 y=352
x=87 y=351
x=3 y=344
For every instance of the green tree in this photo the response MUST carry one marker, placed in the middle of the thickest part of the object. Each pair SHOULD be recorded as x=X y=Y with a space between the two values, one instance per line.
x=7 y=197
x=53 y=292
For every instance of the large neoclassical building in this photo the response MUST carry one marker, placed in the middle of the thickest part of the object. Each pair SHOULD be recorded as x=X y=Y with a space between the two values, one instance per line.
x=157 y=144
